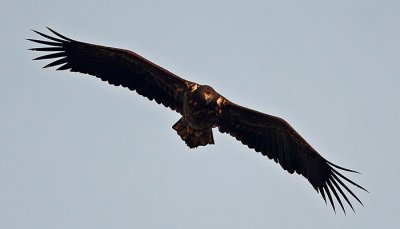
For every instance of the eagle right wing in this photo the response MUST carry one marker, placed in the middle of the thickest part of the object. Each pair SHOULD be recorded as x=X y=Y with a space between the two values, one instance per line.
x=276 y=139
x=117 y=67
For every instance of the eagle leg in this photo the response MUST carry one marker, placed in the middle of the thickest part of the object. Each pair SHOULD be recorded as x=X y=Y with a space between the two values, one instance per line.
x=193 y=138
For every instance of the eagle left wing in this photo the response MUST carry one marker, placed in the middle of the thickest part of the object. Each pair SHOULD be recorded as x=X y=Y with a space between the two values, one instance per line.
x=276 y=139
x=118 y=67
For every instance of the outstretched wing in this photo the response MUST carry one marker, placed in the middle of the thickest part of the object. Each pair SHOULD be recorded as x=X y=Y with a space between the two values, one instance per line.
x=118 y=67
x=276 y=139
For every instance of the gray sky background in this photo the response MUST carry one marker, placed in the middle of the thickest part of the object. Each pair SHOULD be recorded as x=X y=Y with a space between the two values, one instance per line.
x=78 y=153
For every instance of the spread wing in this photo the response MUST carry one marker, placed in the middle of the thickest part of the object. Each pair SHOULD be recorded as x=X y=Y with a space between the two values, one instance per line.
x=276 y=139
x=118 y=67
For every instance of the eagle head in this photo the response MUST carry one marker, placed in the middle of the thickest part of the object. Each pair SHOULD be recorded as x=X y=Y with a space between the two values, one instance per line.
x=208 y=94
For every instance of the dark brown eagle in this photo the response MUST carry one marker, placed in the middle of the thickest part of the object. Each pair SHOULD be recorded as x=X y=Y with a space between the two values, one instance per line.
x=202 y=109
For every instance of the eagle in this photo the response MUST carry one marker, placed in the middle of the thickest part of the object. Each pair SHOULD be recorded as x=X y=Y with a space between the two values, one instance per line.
x=202 y=109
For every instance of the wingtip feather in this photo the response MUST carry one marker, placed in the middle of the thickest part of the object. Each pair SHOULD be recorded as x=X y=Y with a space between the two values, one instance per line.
x=59 y=35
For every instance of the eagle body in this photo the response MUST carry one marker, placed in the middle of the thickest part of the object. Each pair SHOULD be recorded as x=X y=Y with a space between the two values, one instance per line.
x=201 y=109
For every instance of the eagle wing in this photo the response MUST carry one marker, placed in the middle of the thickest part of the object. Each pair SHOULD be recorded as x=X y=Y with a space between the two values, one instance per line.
x=276 y=139
x=118 y=67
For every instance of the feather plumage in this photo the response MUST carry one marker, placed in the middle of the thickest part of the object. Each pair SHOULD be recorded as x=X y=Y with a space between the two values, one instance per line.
x=202 y=109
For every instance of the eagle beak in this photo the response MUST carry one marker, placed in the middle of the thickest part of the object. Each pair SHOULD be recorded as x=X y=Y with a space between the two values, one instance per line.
x=208 y=97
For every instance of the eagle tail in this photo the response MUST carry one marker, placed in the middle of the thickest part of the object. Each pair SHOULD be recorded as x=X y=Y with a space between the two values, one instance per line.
x=193 y=138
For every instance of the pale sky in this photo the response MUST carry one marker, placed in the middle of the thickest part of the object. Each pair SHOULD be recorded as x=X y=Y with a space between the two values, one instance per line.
x=78 y=153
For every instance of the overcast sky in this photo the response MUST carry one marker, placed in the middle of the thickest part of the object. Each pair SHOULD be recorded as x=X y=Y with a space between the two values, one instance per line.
x=76 y=152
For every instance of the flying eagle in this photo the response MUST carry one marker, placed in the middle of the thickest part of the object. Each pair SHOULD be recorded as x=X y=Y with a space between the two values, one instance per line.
x=202 y=109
